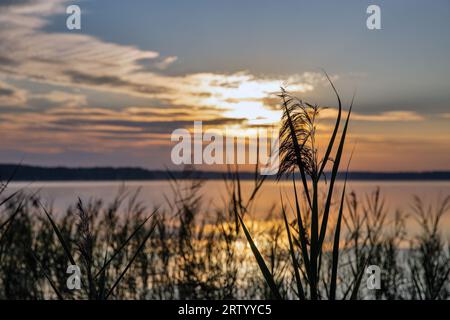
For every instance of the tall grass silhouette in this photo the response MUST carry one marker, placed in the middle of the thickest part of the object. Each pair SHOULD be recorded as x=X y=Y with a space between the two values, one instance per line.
x=193 y=251
x=299 y=152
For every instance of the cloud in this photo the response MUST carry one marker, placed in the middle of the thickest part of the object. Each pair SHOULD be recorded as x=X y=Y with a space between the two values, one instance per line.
x=63 y=58
x=166 y=62
x=388 y=116
x=62 y=98
x=57 y=123
x=11 y=95
x=140 y=126
x=100 y=130
x=84 y=61
x=66 y=61
x=238 y=95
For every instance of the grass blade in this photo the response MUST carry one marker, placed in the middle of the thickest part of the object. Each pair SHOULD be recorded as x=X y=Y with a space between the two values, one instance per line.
x=300 y=290
x=11 y=177
x=355 y=290
x=302 y=232
x=139 y=249
x=50 y=281
x=11 y=217
x=334 y=172
x=105 y=265
x=59 y=235
x=336 y=128
x=336 y=245
x=262 y=265
x=9 y=198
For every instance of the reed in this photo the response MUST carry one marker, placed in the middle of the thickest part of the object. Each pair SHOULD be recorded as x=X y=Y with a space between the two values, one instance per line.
x=195 y=252
x=299 y=153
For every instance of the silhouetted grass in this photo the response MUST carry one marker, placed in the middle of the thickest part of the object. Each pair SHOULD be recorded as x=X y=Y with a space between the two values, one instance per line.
x=299 y=152
x=192 y=252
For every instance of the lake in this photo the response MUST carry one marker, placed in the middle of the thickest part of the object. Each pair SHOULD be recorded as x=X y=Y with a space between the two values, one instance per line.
x=398 y=194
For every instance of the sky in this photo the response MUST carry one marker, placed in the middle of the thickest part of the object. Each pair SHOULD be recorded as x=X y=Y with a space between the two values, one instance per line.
x=112 y=93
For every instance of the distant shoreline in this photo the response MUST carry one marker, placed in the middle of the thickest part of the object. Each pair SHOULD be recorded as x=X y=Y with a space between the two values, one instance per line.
x=18 y=173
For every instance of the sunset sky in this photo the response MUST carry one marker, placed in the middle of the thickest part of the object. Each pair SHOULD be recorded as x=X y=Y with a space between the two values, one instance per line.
x=112 y=92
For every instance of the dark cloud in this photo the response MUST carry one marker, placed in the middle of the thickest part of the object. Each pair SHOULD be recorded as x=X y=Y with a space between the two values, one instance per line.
x=113 y=81
x=147 y=113
x=158 y=112
x=272 y=103
x=10 y=109
x=202 y=94
x=6 y=92
x=10 y=3
x=5 y=61
x=224 y=121
x=75 y=113
x=10 y=96
x=226 y=84
x=84 y=78
x=125 y=137
x=143 y=126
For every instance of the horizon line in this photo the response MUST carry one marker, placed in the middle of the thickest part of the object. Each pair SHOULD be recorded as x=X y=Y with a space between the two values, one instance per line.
x=26 y=172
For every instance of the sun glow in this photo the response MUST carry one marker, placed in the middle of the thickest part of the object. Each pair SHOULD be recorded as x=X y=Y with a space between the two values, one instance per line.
x=243 y=96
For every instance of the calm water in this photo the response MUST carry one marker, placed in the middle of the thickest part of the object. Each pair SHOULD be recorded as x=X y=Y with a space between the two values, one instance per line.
x=398 y=194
